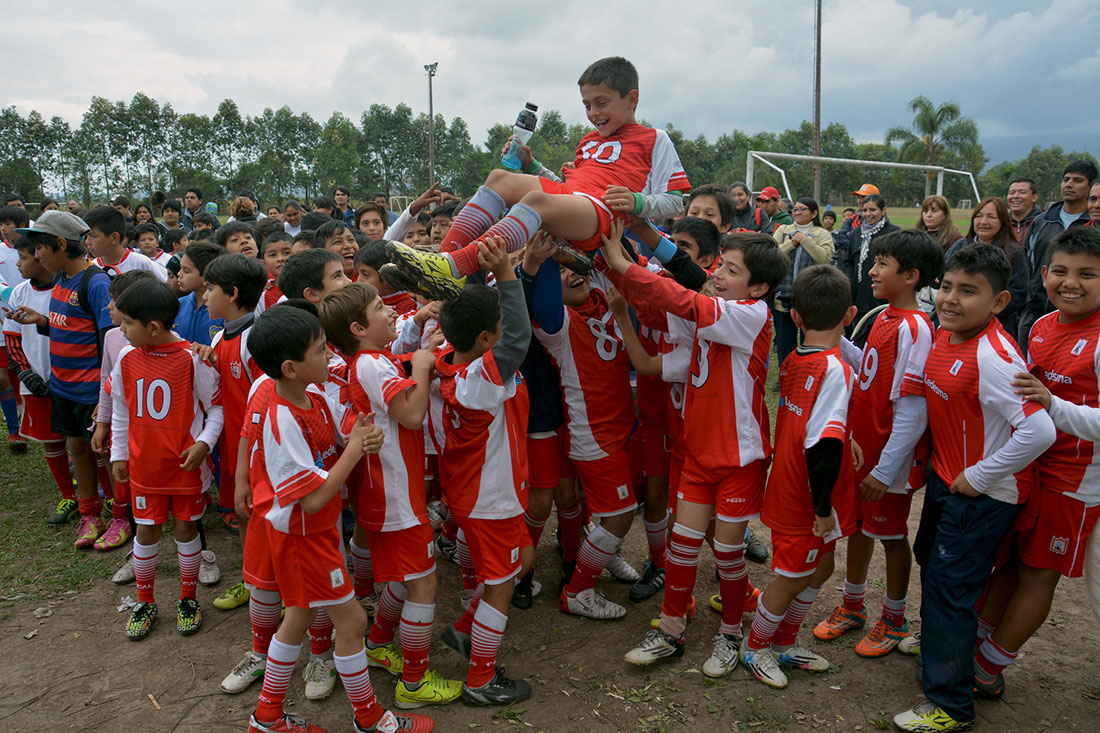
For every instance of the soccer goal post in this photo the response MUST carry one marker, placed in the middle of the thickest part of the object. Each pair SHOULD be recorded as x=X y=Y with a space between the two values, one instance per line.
x=763 y=155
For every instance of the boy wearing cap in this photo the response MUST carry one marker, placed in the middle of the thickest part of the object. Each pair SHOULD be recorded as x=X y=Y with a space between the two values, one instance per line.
x=76 y=324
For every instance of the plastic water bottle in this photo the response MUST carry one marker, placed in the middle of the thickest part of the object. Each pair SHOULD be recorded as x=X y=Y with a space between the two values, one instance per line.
x=521 y=133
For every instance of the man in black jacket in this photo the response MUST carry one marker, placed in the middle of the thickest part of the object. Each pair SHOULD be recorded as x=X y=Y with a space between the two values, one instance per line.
x=1022 y=199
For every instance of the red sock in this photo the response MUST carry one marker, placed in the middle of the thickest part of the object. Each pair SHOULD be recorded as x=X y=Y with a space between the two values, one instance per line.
x=513 y=230
x=281 y=659
x=356 y=681
x=449 y=530
x=189 y=556
x=570 y=523
x=656 y=537
x=145 y=569
x=993 y=658
x=597 y=549
x=263 y=614
x=57 y=458
x=764 y=625
x=733 y=581
x=894 y=611
x=466 y=620
x=90 y=507
x=683 y=566
x=320 y=634
x=534 y=527
x=104 y=477
x=465 y=563
x=416 y=635
x=787 y=631
x=474 y=219
x=388 y=614
x=120 y=509
x=362 y=570
x=485 y=639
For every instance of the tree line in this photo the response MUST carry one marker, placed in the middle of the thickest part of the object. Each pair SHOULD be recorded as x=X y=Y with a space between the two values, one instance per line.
x=143 y=146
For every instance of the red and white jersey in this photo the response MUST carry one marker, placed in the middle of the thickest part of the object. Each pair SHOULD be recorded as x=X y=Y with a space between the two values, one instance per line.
x=402 y=303
x=392 y=495
x=483 y=464
x=160 y=395
x=815 y=390
x=972 y=407
x=299 y=449
x=237 y=369
x=894 y=356
x=1068 y=357
x=36 y=347
x=252 y=433
x=336 y=387
x=641 y=158
x=161 y=258
x=9 y=269
x=132 y=260
x=595 y=376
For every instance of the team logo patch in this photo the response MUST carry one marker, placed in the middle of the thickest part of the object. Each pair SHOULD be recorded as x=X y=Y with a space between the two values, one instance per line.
x=623 y=491
x=431 y=550
x=235 y=369
x=515 y=555
x=214 y=331
x=139 y=502
x=337 y=577
x=811 y=556
x=1059 y=545
x=74 y=298
x=1079 y=347
x=956 y=367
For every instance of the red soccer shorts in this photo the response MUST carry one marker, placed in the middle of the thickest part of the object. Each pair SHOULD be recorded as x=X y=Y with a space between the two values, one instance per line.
x=603 y=214
x=309 y=569
x=495 y=546
x=35 y=424
x=607 y=484
x=1057 y=530
x=737 y=495
x=406 y=554
x=797 y=555
x=153 y=509
x=653 y=425
x=887 y=518
x=547 y=461
x=259 y=570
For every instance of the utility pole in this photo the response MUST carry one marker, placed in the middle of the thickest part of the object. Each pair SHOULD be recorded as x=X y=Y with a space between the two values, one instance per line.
x=430 y=68
x=817 y=99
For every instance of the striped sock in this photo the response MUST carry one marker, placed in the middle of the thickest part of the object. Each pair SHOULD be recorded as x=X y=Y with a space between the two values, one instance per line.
x=320 y=634
x=188 y=554
x=388 y=614
x=683 y=567
x=485 y=639
x=787 y=631
x=264 y=608
x=479 y=213
x=281 y=659
x=145 y=569
x=985 y=630
x=534 y=527
x=57 y=458
x=993 y=658
x=465 y=562
x=416 y=634
x=853 y=595
x=596 y=550
x=466 y=621
x=362 y=570
x=894 y=611
x=356 y=680
x=764 y=624
x=449 y=530
x=733 y=580
x=513 y=230
x=656 y=537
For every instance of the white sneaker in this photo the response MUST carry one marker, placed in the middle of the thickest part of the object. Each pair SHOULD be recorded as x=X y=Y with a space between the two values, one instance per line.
x=590 y=603
x=723 y=656
x=764 y=667
x=801 y=657
x=320 y=677
x=910 y=645
x=621 y=570
x=209 y=572
x=655 y=646
x=465 y=595
x=536 y=588
x=125 y=574
x=437 y=512
x=247 y=671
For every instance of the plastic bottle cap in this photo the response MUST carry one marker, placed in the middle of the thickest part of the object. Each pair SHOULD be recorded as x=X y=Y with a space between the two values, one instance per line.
x=532 y=107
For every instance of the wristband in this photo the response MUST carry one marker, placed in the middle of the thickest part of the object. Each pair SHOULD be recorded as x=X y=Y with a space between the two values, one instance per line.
x=639 y=202
x=665 y=249
x=534 y=165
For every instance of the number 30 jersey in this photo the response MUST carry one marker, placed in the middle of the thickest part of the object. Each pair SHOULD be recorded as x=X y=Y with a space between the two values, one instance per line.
x=893 y=358
x=160 y=396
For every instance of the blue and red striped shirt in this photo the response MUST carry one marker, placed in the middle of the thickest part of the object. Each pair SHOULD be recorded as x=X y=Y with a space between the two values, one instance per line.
x=74 y=336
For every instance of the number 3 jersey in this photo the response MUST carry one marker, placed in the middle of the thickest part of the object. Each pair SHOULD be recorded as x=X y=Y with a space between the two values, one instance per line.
x=165 y=400
x=893 y=359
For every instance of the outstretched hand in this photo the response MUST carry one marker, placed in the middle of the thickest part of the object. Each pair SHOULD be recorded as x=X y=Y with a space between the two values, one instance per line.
x=421 y=202
x=539 y=249
x=613 y=252
x=492 y=255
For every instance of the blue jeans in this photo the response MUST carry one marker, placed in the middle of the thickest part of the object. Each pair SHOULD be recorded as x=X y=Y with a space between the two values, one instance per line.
x=956 y=545
x=786 y=334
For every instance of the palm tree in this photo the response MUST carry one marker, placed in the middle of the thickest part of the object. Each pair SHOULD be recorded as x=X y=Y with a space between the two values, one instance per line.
x=935 y=130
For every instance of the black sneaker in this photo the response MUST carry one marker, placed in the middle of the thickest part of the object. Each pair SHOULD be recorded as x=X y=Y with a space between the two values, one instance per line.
x=188 y=618
x=498 y=691
x=651 y=582
x=456 y=640
x=522 y=596
x=573 y=259
x=66 y=511
x=755 y=551
x=567 y=569
x=141 y=621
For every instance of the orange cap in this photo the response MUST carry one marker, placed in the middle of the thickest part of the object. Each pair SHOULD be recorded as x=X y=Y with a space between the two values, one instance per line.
x=866 y=190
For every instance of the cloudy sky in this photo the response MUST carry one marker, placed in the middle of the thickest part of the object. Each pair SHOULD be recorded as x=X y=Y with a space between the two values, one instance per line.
x=706 y=66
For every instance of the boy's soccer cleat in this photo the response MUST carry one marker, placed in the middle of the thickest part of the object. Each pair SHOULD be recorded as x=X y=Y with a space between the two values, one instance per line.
x=387 y=657
x=763 y=666
x=396 y=278
x=286 y=724
x=928 y=717
x=498 y=691
x=88 y=531
x=755 y=550
x=235 y=595
x=523 y=596
x=247 y=671
x=881 y=639
x=229 y=519
x=209 y=572
x=723 y=656
x=590 y=603
x=990 y=687
x=910 y=645
x=456 y=640
x=620 y=569
x=751 y=600
x=16 y=443
x=434 y=272
x=801 y=657
x=188 y=616
x=447 y=548
x=66 y=511
x=656 y=645
x=431 y=690
x=141 y=621
x=116 y=535
x=656 y=622
x=839 y=623
x=125 y=574
x=391 y=722
x=320 y=677
x=573 y=259
x=647 y=586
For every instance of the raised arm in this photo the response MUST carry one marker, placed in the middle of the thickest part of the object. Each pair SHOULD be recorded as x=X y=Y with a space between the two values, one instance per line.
x=511 y=347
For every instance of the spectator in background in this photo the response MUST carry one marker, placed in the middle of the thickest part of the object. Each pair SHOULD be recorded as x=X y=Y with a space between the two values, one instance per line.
x=1023 y=206
x=828 y=221
x=745 y=217
x=935 y=218
x=172 y=214
x=370 y=218
x=769 y=202
x=867 y=189
x=384 y=201
x=122 y=204
x=292 y=217
x=1077 y=178
x=274 y=212
x=341 y=195
x=990 y=225
x=1094 y=205
x=243 y=210
x=193 y=203
x=325 y=205
x=72 y=206
x=14 y=199
x=47 y=204
x=858 y=259
x=786 y=205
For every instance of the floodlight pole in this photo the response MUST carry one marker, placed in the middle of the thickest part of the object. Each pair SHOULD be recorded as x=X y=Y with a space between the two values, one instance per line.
x=817 y=99
x=430 y=68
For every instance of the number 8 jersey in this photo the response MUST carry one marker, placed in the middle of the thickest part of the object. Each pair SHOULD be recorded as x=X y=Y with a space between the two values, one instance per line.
x=165 y=400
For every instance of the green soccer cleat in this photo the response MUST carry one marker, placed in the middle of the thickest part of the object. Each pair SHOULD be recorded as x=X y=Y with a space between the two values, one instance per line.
x=434 y=272
x=141 y=621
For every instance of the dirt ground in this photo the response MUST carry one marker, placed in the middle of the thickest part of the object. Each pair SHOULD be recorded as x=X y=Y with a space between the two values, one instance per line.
x=78 y=672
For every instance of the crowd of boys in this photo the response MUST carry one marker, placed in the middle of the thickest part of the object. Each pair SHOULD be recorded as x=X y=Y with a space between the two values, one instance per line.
x=472 y=377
